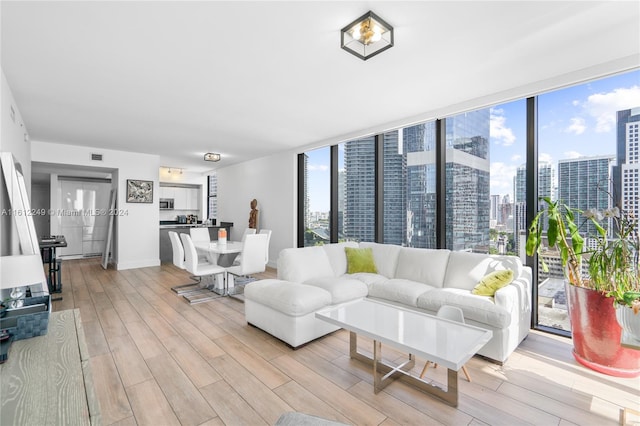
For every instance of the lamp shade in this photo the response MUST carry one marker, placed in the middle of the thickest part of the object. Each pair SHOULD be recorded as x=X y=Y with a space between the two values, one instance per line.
x=21 y=270
x=367 y=36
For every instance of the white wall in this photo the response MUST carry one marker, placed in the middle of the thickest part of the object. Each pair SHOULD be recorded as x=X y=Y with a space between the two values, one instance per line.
x=12 y=139
x=271 y=181
x=136 y=242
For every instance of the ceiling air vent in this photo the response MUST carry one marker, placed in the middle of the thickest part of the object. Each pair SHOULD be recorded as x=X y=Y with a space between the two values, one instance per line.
x=96 y=157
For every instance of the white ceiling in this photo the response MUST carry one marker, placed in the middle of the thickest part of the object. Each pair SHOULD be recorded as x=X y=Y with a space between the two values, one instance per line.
x=248 y=79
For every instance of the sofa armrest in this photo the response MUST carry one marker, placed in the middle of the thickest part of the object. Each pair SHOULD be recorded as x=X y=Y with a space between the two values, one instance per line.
x=516 y=297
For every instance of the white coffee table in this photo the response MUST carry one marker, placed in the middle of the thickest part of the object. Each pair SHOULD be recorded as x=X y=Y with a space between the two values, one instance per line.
x=448 y=343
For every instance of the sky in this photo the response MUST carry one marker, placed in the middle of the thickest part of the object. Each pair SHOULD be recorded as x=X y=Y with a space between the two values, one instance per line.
x=574 y=122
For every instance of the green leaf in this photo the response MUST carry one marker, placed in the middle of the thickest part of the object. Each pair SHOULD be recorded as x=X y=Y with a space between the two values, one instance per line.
x=552 y=231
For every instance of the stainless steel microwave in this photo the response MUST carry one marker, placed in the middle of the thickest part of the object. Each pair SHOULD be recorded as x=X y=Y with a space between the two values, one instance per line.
x=166 y=203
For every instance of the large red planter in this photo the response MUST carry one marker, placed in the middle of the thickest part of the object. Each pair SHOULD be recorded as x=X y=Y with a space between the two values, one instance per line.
x=596 y=334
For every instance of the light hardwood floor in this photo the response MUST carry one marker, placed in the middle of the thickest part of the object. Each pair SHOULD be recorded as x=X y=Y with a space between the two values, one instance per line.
x=156 y=360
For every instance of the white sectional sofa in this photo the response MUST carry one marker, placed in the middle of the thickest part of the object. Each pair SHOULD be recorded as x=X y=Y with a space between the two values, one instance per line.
x=314 y=278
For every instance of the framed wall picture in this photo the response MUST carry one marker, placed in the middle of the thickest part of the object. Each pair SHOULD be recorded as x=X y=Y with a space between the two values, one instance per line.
x=139 y=191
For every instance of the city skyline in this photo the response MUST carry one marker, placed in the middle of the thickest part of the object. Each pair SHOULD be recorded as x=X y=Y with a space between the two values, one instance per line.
x=574 y=122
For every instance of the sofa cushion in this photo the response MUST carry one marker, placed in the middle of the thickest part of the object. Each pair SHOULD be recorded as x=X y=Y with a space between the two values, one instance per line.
x=292 y=299
x=386 y=257
x=422 y=265
x=368 y=278
x=302 y=264
x=493 y=282
x=398 y=290
x=337 y=258
x=477 y=308
x=342 y=289
x=465 y=270
x=360 y=260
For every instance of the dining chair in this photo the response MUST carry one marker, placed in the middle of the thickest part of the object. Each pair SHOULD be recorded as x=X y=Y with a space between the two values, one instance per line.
x=178 y=261
x=253 y=259
x=452 y=313
x=201 y=235
x=200 y=269
x=267 y=232
x=247 y=231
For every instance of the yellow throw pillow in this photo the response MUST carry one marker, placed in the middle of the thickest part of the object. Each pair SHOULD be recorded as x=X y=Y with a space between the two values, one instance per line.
x=360 y=260
x=492 y=282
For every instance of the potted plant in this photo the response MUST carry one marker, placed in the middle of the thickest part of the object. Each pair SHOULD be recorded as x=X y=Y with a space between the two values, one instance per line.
x=612 y=282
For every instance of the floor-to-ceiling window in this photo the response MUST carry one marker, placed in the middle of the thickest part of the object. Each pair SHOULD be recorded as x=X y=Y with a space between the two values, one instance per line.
x=212 y=196
x=507 y=178
x=409 y=186
x=317 y=198
x=587 y=136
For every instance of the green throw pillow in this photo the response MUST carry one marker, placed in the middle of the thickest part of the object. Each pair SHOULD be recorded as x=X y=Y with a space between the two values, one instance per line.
x=492 y=282
x=360 y=260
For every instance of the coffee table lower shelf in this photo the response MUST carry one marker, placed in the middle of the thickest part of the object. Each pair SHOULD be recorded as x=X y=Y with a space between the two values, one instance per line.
x=384 y=373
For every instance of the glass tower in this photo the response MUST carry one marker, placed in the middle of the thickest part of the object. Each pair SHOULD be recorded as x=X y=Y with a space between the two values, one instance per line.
x=467 y=181
x=583 y=184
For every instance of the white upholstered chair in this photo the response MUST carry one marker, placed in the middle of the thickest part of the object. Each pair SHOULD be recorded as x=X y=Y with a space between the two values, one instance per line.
x=452 y=313
x=267 y=232
x=200 y=269
x=178 y=261
x=253 y=258
x=201 y=235
x=247 y=231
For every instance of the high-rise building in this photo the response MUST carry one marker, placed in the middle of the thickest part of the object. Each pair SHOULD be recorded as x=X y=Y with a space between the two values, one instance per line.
x=409 y=185
x=419 y=146
x=585 y=183
x=467 y=181
x=359 y=204
x=395 y=205
x=546 y=188
x=623 y=118
x=627 y=171
x=494 y=214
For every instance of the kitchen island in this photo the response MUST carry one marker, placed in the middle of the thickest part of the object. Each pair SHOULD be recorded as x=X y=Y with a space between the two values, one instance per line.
x=166 y=252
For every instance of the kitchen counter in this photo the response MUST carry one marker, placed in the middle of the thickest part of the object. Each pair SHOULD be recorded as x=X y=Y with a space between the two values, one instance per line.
x=190 y=225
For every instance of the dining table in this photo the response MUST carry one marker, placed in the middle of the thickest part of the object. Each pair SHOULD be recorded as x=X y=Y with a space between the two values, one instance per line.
x=222 y=254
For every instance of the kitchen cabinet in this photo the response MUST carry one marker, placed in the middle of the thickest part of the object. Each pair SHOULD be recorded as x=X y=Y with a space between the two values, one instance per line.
x=192 y=198
x=168 y=192
x=180 y=198
x=184 y=198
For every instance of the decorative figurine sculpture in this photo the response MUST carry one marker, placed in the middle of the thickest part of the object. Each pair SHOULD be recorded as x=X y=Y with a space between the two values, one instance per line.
x=253 y=215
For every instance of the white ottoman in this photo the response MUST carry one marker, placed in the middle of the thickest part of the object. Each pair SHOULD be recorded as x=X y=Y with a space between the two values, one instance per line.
x=287 y=310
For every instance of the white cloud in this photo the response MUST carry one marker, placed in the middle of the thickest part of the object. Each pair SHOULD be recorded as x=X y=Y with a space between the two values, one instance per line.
x=572 y=155
x=603 y=106
x=499 y=131
x=577 y=126
x=317 y=167
x=544 y=157
x=502 y=178
x=516 y=157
